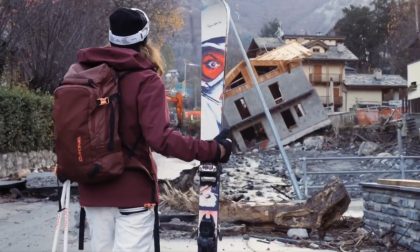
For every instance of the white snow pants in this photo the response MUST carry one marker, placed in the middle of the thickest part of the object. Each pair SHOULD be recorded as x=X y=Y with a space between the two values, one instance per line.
x=116 y=230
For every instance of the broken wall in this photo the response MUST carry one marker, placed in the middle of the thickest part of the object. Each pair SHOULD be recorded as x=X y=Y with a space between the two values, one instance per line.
x=295 y=107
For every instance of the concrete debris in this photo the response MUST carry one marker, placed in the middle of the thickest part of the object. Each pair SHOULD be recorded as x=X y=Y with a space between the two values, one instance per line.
x=367 y=148
x=41 y=180
x=297 y=233
x=313 y=142
x=314 y=245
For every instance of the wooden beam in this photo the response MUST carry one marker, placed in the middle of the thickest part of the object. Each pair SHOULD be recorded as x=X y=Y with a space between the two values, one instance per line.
x=400 y=182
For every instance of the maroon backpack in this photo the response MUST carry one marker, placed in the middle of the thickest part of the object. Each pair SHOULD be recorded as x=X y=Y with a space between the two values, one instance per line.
x=85 y=113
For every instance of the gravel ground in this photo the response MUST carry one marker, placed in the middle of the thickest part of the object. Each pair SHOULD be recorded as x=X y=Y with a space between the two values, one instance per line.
x=28 y=225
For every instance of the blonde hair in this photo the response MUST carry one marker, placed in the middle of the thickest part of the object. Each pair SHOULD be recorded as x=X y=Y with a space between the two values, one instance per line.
x=153 y=54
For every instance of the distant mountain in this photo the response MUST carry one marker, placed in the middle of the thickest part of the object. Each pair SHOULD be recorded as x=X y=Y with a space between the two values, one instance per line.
x=296 y=16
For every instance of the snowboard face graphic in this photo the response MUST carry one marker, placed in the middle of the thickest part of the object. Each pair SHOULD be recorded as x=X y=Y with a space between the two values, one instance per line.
x=213 y=72
x=213 y=61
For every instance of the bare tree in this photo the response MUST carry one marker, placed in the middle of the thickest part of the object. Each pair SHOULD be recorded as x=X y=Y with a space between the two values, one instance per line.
x=7 y=11
x=41 y=37
x=47 y=34
x=402 y=36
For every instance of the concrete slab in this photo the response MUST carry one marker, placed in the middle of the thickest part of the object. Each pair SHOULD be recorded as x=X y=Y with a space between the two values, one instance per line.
x=170 y=168
x=6 y=184
x=355 y=209
x=233 y=244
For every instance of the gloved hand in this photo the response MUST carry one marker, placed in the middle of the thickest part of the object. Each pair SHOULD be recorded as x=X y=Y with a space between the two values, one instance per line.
x=226 y=143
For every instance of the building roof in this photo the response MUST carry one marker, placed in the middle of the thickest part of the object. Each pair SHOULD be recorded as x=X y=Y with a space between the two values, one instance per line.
x=316 y=43
x=369 y=80
x=266 y=42
x=314 y=37
x=286 y=52
x=339 y=52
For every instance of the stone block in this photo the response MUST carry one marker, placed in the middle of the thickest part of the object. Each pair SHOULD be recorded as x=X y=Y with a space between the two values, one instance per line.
x=365 y=196
x=403 y=240
x=415 y=226
x=42 y=180
x=391 y=211
x=395 y=201
x=413 y=215
x=370 y=215
x=372 y=224
x=380 y=198
x=384 y=227
x=417 y=205
x=415 y=246
x=377 y=207
x=401 y=231
x=368 y=205
x=408 y=203
x=401 y=222
x=415 y=235
x=403 y=212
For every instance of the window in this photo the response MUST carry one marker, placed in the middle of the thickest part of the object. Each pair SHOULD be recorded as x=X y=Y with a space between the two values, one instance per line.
x=288 y=119
x=275 y=92
x=242 y=108
x=261 y=70
x=254 y=135
x=316 y=50
x=299 y=110
x=238 y=81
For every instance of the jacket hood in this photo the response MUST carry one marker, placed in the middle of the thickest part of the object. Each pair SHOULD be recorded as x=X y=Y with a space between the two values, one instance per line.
x=121 y=59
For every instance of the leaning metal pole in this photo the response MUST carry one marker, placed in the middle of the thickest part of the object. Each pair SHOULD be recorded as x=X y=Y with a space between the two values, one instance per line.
x=268 y=114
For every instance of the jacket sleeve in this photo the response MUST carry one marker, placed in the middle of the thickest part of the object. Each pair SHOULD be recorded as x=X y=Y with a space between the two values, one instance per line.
x=154 y=121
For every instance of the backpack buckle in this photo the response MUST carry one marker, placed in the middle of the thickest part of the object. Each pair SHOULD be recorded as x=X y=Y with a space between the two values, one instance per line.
x=102 y=101
x=149 y=205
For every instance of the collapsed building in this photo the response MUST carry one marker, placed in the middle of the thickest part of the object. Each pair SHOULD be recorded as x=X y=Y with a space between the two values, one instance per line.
x=296 y=108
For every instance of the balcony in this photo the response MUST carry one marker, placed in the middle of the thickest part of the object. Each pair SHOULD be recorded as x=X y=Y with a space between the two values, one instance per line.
x=338 y=100
x=325 y=78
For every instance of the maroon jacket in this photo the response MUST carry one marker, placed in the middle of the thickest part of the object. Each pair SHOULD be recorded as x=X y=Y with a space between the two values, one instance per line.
x=144 y=126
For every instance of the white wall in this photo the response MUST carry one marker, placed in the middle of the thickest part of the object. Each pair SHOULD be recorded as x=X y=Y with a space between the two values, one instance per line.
x=374 y=96
x=413 y=75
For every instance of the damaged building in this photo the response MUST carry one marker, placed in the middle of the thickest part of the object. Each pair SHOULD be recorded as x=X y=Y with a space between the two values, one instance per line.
x=325 y=67
x=293 y=103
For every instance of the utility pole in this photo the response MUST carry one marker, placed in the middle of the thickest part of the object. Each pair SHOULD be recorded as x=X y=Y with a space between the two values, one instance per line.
x=267 y=114
x=417 y=16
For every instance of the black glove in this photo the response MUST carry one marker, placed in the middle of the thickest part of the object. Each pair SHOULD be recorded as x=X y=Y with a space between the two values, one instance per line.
x=223 y=139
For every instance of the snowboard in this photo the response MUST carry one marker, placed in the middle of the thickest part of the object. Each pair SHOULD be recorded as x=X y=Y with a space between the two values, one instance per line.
x=215 y=17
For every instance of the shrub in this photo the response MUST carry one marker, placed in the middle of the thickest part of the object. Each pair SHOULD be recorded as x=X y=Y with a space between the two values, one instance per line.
x=25 y=120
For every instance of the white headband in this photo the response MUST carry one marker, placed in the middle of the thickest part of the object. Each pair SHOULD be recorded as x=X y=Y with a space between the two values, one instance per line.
x=132 y=39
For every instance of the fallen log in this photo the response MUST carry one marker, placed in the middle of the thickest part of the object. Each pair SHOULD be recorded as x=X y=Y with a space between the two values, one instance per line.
x=318 y=212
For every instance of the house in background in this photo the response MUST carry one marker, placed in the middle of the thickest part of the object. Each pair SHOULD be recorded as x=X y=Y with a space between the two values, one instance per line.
x=262 y=45
x=292 y=101
x=413 y=81
x=377 y=89
x=325 y=68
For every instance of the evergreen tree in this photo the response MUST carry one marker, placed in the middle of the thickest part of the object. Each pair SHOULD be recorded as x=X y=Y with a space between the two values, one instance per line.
x=357 y=26
x=270 y=29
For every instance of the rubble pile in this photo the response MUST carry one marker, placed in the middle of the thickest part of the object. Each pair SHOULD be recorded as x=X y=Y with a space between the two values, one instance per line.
x=256 y=176
x=261 y=176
